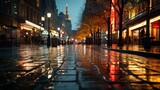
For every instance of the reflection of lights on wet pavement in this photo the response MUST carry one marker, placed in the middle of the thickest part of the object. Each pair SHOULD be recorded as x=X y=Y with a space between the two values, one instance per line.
x=135 y=69
x=30 y=64
x=49 y=76
x=39 y=63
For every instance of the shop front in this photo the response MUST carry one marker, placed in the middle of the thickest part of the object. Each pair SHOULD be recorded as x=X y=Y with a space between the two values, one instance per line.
x=137 y=32
x=8 y=31
x=135 y=37
x=30 y=33
x=155 y=32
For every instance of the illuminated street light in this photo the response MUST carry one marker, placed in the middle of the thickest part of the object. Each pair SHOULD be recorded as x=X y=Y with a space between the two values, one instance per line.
x=42 y=18
x=42 y=25
x=58 y=28
x=48 y=38
x=49 y=15
x=58 y=35
x=59 y=32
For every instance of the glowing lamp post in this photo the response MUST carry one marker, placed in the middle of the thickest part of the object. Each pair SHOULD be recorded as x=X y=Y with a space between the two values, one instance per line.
x=42 y=18
x=59 y=35
x=42 y=25
x=58 y=32
x=48 y=38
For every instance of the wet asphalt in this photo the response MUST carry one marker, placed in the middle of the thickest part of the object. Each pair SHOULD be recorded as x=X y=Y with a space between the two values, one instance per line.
x=75 y=67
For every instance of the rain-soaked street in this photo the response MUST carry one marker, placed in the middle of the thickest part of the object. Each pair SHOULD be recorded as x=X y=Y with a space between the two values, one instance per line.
x=75 y=67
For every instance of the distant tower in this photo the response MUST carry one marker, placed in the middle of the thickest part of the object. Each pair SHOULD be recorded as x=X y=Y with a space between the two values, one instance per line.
x=65 y=22
x=67 y=14
x=66 y=9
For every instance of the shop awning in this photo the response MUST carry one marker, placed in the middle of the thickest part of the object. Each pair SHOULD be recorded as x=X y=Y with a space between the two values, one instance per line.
x=29 y=25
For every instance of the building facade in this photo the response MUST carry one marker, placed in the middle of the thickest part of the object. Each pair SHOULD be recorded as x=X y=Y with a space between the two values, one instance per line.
x=20 y=20
x=49 y=6
x=8 y=22
x=29 y=18
x=65 y=25
x=136 y=22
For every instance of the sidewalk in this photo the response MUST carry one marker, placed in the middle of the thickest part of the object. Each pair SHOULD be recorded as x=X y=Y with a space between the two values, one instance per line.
x=154 y=52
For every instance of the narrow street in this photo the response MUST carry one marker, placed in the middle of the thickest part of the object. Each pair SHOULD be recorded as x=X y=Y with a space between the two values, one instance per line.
x=76 y=67
x=79 y=44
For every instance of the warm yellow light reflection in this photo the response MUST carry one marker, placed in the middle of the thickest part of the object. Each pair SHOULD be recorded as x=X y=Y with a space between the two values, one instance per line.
x=137 y=25
x=141 y=24
x=27 y=28
x=34 y=25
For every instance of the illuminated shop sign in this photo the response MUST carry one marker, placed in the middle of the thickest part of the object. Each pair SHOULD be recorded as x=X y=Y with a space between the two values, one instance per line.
x=29 y=25
x=141 y=24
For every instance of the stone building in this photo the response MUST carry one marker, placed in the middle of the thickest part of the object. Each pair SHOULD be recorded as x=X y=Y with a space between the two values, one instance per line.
x=20 y=20
x=65 y=24
x=8 y=22
x=136 y=22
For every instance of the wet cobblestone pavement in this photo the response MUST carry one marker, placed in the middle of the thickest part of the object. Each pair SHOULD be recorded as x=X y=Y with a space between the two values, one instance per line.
x=124 y=71
x=76 y=67
x=22 y=68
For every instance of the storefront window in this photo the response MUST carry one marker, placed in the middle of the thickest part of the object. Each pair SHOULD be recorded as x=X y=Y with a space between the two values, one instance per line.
x=2 y=30
x=135 y=38
x=155 y=30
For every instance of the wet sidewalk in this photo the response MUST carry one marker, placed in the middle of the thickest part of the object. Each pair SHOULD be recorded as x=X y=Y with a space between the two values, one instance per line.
x=65 y=77
x=153 y=52
x=76 y=67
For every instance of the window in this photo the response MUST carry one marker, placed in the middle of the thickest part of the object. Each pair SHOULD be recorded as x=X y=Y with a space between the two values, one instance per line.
x=7 y=6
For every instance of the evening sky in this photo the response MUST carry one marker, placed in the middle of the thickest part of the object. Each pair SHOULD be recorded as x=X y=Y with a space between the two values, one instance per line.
x=75 y=8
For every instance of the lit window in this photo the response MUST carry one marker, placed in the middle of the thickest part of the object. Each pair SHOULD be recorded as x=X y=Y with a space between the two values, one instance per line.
x=38 y=2
x=15 y=12
x=15 y=6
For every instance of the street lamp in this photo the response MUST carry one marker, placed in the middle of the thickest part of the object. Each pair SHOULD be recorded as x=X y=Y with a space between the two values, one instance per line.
x=59 y=35
x=42 y=18
x=62 y=36
x=58 y=32
x=42 y=25
x=48 y=38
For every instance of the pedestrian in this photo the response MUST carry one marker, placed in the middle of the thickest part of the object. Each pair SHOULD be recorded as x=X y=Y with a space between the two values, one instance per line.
x=142 y=36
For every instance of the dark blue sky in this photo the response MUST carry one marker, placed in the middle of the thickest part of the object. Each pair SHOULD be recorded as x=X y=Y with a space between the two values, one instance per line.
x=75 y=8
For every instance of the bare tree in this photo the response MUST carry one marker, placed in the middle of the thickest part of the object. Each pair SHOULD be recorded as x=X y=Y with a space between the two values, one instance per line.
x=120 y=6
